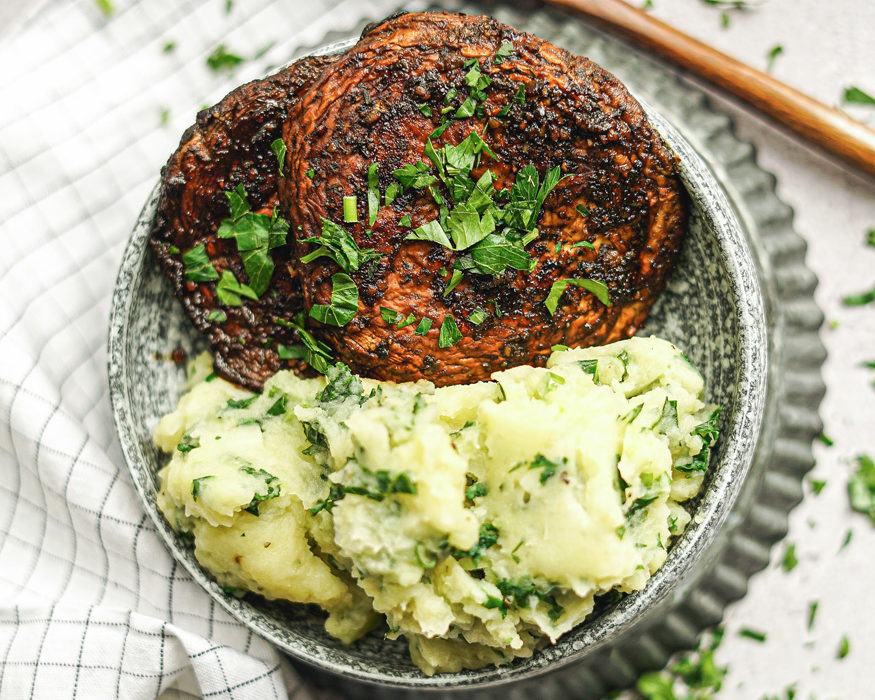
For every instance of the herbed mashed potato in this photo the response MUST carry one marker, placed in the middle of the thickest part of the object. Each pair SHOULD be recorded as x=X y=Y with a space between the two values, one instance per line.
x=479 y=521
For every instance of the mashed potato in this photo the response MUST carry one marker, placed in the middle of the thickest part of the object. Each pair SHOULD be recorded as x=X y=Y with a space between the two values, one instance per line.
x=479 y=521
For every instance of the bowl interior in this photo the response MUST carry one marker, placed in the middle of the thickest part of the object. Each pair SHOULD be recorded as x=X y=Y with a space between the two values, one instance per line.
x=712 y=310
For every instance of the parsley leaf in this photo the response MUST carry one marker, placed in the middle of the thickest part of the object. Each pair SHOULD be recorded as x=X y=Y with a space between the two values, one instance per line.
x=197 y=486
x=753 y=634
x=599 y=289
x=220 y=59
x=860 y=299
x=854 y=95
x=478 y=316
x=503 y=51
x=344 y=302
x=256 y=235
x=495 y=253
x=861 y=487
x=450 y=333
x=271 y=488
x=229 y=290
x=789 y=560
x=373 y=193
x=424 y=326
x=431 y=231
x=198 y=267
x=314 y=352
x=549 y=467
x=278 y=146
x=338 y=244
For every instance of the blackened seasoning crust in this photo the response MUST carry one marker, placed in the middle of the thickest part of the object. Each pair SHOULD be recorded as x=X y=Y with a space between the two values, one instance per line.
x=230 y=145
x=366 y=109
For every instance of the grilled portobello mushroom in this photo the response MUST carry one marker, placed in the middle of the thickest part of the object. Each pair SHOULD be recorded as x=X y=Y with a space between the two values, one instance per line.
x=228 y=146
x=415 y=89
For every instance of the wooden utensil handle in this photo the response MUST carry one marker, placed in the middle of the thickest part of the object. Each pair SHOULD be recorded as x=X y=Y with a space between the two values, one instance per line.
x=829 y=128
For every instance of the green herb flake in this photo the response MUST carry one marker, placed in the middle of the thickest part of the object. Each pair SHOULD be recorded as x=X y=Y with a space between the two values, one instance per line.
x=337 y=243
x=789 y=560
x=812 y=613
x=582 y=210
x=753 y=634
x=188 y=443
x=496 y=603
x=405 y=221
x=817 y=486
x=391 y=192
x=558 y=347
x=861 y=299
x=198 y=267
x=861 y=487
x=256 y=235
x=241 y=403
x=774 y=52
x=424 y=326
x=502 y=52
x=344 y=302
x=450 y=333
x=350 y=209
x=229 y=291
x=476 y=490
x=849 y=535
x=844 y=648
x=409 y=321
x=197 y=486
x=211 y=377
x=106 y=7
x=278 y=146
x=455 y=278
x=217 y=316
x=548 y=466
x=310 y=173
x=854 y=95
x=270 y=488
x=425 y=109
x=599 y=289
x=279 y=407
x=870 y=237
x=222 y=60
x=478 y=316
x=373 y=192
x=390 y=316
x=825 y=439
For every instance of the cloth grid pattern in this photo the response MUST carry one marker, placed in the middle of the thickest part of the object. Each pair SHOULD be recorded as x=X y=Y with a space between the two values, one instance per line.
x=93 y=605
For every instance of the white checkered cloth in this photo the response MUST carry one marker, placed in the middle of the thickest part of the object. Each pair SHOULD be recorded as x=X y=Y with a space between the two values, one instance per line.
x=92 y=605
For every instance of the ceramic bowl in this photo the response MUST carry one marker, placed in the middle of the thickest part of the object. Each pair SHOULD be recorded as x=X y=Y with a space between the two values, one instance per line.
x=713 y=309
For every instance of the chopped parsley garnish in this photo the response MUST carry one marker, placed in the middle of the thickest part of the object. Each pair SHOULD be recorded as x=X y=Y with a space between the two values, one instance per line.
x=314 y=352
x=350 y=209
x=450 y=333
x=211 y=377
x=860 y=299
x=217 y=316
x=188 y=443
x=455 y=278
x=405 y=221
x=229 y=290
x=503 y=51
x=409 y=321
x=477 y=316
x=870 y=237
x=639 y=504
x=774 y=52
x=106 y=7
x=424 y=326
x=844 y=647
x=583 y=211
x=854 y=95
x=789 y=560
x=590 y=367
x=279 y=406
x=278 y=146
x=817 y=486
x=488 y=537
x=221 y=59
x=337 y=243
x=241 y=403
x=310 y=173
x=861 y=487
x=812 y=613
x=558 y=347
x=496 y=603
x=256 y=236
x=825 y=439
x=753 y=634
x=271 y=488
x=520 y=591
x=696 y=670
x=849 y=535
x=709 y=432
x=198 y=267
x=599 y=289
x=373 y=485
x=476 y=490
x=548 y=466
x=344 y=302
x=425 y=109
x=197 y=486
x=373 y=193
x=168 y=47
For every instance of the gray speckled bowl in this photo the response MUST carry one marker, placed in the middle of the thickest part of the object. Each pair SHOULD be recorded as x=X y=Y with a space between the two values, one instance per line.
x=713 y=309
